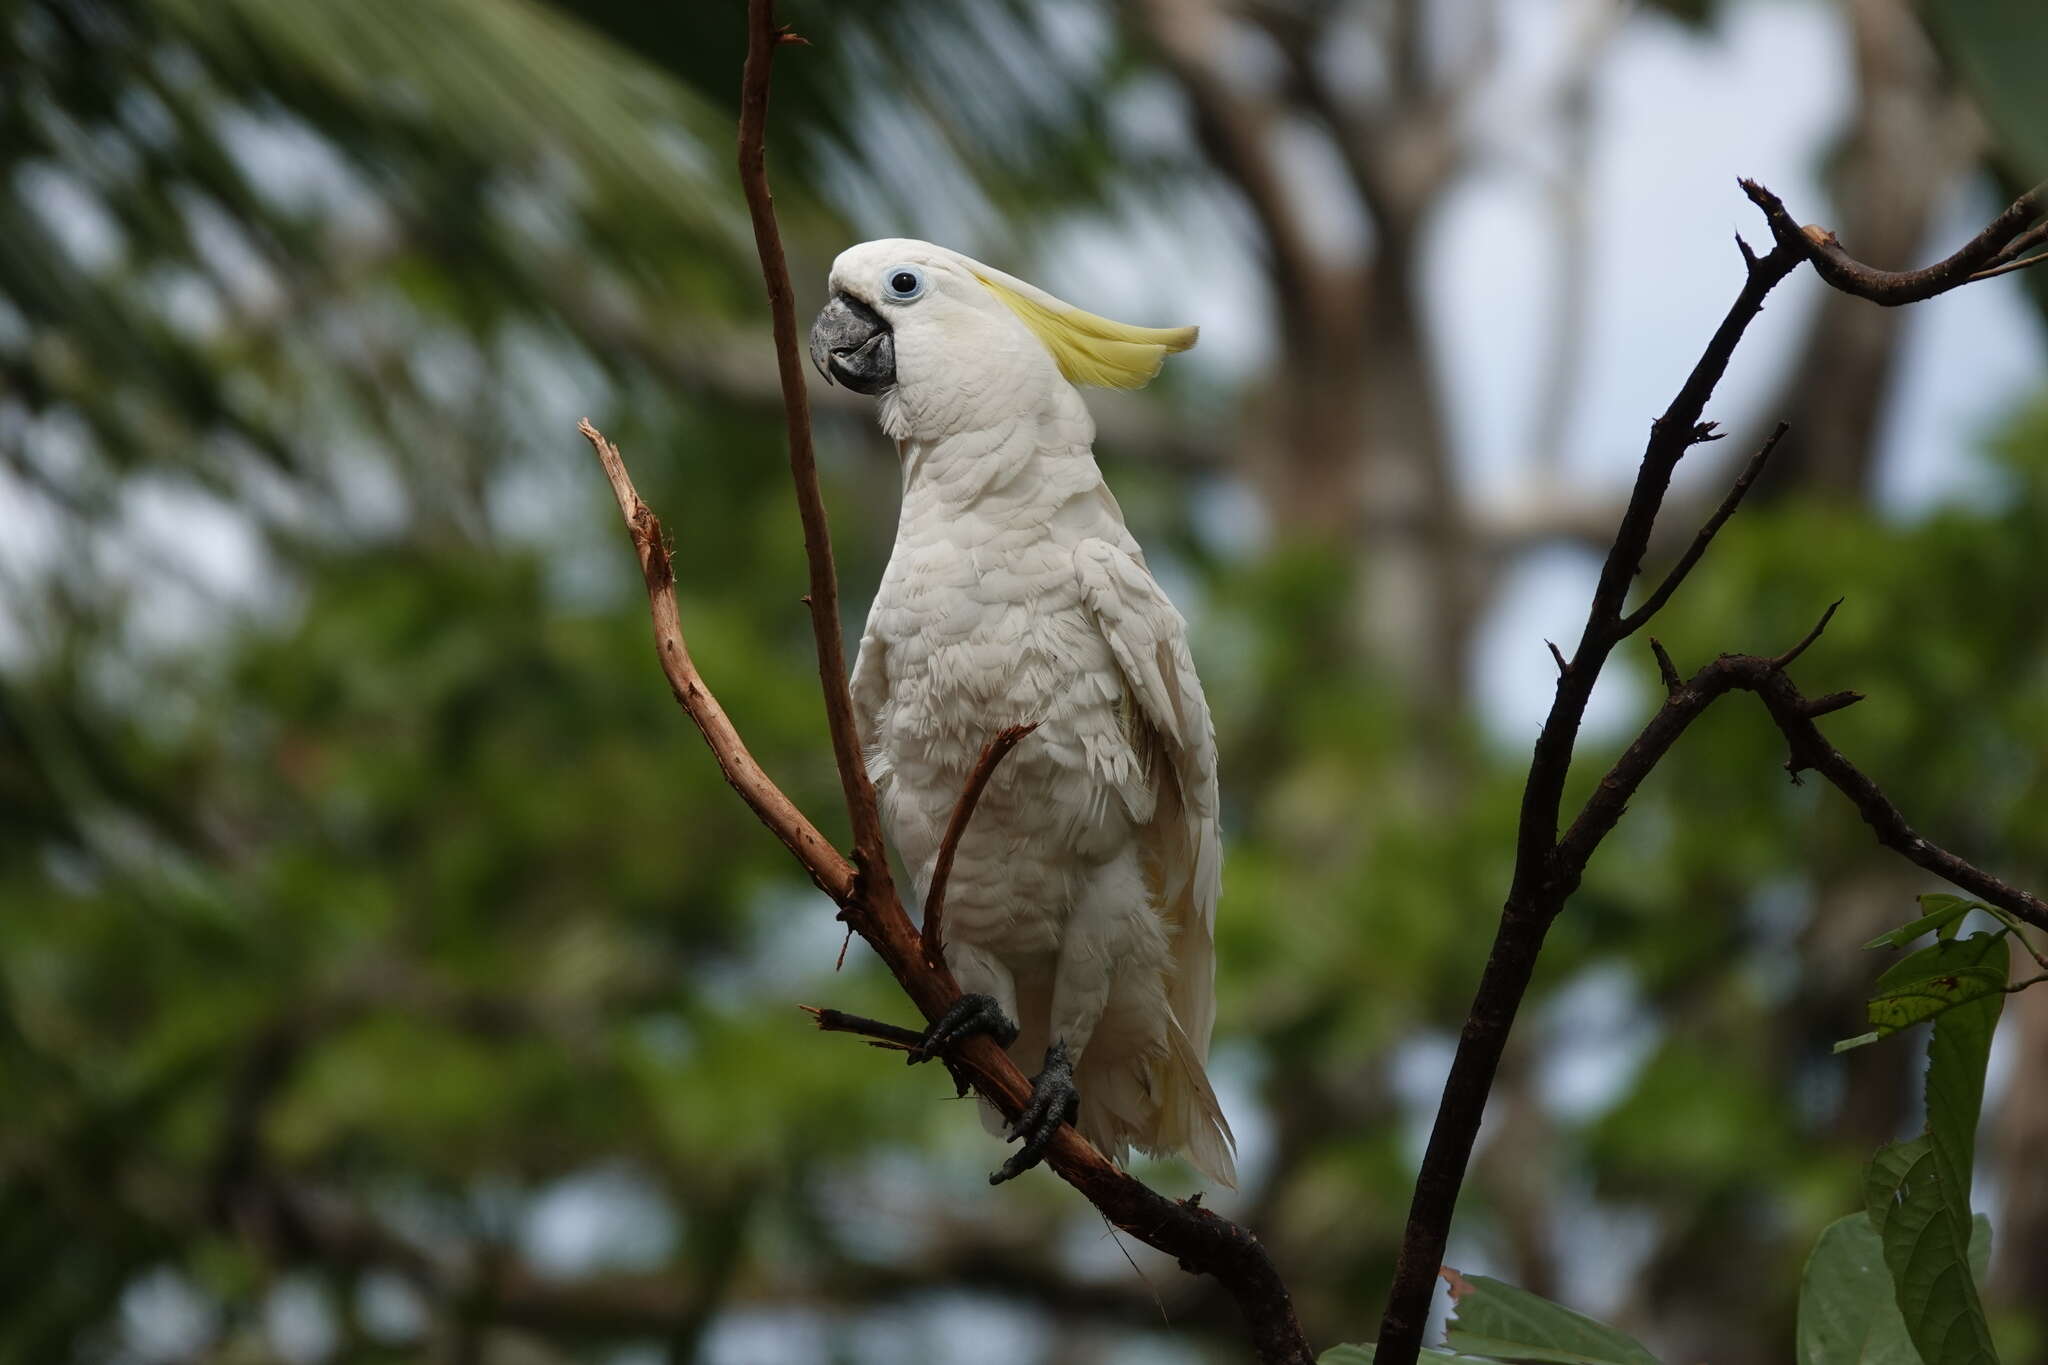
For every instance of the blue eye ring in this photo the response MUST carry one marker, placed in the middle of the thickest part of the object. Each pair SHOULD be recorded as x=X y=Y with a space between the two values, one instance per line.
x=902 y=283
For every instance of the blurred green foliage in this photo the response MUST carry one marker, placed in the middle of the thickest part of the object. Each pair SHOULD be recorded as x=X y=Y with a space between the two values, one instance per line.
x=359 y=902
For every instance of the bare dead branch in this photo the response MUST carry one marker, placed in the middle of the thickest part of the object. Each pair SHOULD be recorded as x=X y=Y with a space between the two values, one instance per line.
x=1784 y=661
x=992 y=753
x=891 y=1036
x=1548 y=869
x=1541 y=882
x=1199 y=1240
x=1666 y=672
x=1793 y=714
x=763 y=37
x=832 y=873
x=1656 y=600
x=1894 y=287
x=2007 y=267
x=2037 y=235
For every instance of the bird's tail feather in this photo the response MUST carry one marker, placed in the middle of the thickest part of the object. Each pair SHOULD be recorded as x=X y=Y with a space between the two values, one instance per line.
x=1190 y=1119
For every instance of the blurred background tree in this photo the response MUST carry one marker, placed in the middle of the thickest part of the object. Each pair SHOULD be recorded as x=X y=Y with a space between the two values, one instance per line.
x=385 y=973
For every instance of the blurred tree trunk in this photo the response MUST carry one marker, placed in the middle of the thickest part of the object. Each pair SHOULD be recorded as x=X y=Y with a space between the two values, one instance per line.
x=1912 y=141
x=2019 y=1138
x=1348 y=444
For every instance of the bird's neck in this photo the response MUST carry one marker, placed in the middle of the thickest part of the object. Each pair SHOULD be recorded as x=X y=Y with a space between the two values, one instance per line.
x=1032 y=459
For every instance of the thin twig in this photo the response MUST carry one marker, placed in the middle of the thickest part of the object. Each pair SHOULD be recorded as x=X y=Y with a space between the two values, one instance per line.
x=1656 y=600
x=1667 y=672
x=831 y=871
x=992 y=753
x=763 y=38
x=874 y=1030
x=2034 y=236
x=1992 y=272
x=1784 y=661
x=1894 y=287
x=1831 y=703
x=1793 y=714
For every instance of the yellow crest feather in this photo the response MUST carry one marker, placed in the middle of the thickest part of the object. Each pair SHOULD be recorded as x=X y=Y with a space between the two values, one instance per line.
x=1090 y=349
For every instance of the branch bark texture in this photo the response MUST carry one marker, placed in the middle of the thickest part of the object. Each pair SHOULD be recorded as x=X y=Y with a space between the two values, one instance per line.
x=1548 y=868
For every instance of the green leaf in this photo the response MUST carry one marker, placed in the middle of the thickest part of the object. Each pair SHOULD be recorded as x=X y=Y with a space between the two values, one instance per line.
x=1848 y=1312
x=1934 y=981
x=1956 y=1058
x=1489 y=1318
x=1942 y=913
x=1361 y=1353
x=1918 y=1192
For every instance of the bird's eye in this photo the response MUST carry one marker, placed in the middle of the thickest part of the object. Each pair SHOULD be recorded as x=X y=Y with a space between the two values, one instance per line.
x=903 y=282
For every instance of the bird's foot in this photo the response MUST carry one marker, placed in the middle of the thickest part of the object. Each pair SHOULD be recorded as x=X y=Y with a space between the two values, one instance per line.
x=969 y=1015
x=1054 y=1101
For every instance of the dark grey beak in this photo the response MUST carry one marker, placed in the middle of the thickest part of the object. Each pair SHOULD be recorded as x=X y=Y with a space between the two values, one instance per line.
x=851 y=343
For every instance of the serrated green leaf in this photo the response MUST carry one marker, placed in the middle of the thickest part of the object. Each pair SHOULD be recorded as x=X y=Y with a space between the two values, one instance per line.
x=1848 y=1311
x=1942 y=913
x=1918 y=1193
x=1848 y=1314
x=1927 y=1252
x=1956 y=1058
x=1490 y=1318
x=1934 y=981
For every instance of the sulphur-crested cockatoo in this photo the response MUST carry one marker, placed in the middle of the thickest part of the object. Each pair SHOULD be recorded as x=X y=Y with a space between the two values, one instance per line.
x=1080 y=912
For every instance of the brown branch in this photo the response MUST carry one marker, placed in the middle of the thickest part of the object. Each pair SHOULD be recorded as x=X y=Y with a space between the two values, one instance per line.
x=1541 y=883
x=1656 y=600
x=833 y=874
x=992 y=753
x=1894 y=287
x=891 y=1036
x=763 y=37
x=1202 y=1242
x=1548 y=869
x=2007 y=267
x=2037 y=235
x=1793 y=713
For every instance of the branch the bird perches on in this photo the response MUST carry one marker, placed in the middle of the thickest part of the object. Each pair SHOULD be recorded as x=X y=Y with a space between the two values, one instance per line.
x=1548 y=867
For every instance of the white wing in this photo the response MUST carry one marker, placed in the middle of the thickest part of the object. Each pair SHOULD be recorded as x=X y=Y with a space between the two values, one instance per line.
x=870 y=688
x=1149 y=641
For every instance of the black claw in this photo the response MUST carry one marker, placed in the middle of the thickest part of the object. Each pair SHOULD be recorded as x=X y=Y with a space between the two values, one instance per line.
x=969 y=1015
x=1054 y=1101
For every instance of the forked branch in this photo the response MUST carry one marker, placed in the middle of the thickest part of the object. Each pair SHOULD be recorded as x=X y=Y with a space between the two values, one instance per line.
x=1981 y=257
x=1548 y=869
x=992 y=753
x=1202 y=1242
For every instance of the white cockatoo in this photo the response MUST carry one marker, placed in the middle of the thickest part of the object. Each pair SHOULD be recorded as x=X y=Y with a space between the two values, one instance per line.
x=1080 y=912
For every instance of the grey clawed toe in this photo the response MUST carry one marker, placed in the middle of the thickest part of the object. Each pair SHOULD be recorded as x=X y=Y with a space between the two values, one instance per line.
x=1054 y=1101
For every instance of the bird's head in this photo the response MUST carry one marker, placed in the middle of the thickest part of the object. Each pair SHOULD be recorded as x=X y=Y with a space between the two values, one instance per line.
x=951 y=344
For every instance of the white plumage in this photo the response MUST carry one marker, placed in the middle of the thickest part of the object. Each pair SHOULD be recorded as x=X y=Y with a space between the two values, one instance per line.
x=1083 y=896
